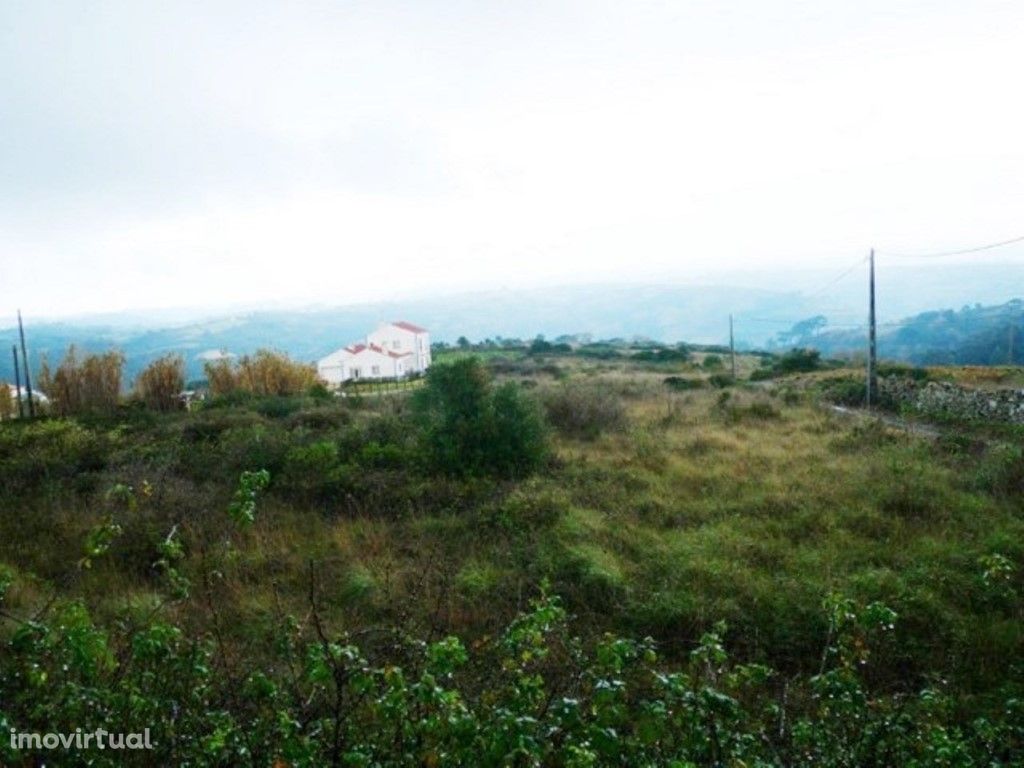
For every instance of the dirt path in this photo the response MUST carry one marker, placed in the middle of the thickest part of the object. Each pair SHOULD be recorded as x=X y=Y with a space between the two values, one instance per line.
x=917 y=429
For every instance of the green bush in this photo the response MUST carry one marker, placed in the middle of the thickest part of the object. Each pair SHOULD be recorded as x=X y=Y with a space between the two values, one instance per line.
x=315 y=472
x=720 y=380
x=585 y=411
x=799 y=361
x=469 y=427
x=42 y=453
x=682 y=383
x=533 y=694
x=1002 y=471
x=712 y=363
x=844 y=391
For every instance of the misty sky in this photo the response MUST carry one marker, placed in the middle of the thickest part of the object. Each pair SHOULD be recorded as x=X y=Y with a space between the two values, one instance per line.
x=159 y=154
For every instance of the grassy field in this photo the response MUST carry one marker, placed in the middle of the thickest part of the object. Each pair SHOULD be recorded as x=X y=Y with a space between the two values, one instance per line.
x=747 y=506
x=657 y=513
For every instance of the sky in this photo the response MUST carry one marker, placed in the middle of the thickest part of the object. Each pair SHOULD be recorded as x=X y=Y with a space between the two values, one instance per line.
x=211 y=154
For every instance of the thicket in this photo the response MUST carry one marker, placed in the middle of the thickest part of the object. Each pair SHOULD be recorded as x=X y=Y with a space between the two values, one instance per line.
x=585 y=411
x=469 y=427
x=264 y=373
x=157 y=577
x=160 y=384
x=7 y=401
x=533 y=694
x=83 y=385
x=798 y=360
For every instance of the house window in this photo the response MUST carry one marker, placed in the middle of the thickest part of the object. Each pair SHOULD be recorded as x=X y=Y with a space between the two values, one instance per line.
x=375 y=370
x=396 y=344
x=356 y=373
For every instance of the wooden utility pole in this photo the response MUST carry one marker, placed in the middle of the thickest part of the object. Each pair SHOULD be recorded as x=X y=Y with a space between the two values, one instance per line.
x=17 y=381
x=28 y=375
x=732 y=349
x=872 y=390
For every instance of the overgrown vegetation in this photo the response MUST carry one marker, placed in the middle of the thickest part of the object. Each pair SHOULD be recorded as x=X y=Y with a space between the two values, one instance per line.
x=281 y=578
x=89 y=384
x=160 y=384
x=264 y=373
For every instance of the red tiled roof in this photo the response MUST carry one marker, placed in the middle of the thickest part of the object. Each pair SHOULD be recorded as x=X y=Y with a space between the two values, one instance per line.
x=408 y=326
x=356 y=349
x=388 y=352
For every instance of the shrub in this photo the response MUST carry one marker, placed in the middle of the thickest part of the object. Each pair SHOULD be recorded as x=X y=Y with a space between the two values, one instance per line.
x=159 y=386
x=470 y=428
x=682 y=383
x=721 y=380
x=844 y=391
x=733 y=411
x=663 y=355
x=7 y=404
x=87 y=385
x=799 y=360
x=1002 y=471
x=904 y=371
x=585 y=412
x=315 y=472
x=712 y=363
x=265 y=373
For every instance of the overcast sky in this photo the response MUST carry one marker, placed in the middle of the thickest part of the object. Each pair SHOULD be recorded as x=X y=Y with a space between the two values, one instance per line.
x=157 y=154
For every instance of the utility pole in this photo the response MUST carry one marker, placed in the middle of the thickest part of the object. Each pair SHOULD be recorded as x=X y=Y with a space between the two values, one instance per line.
x=28 y=376
x=732 y=349
x=872 y=391
x=17 y=381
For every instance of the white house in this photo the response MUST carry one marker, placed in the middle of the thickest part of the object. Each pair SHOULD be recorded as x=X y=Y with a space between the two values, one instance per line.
x=404 y=337
x=393 y=351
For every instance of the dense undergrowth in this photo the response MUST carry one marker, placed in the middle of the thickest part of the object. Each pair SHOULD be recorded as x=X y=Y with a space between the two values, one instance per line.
x=870 y=582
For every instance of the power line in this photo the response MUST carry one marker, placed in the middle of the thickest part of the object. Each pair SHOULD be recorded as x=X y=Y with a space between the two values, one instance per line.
x=960 y=252
x=836 y=279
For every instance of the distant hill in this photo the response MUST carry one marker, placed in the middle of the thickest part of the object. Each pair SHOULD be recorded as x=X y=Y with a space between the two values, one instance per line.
x=669 y=313
x=692 y=313
x=973 y=335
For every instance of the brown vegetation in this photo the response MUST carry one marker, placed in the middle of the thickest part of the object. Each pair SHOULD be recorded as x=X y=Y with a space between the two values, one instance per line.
x=264 y=373
x=6 y=401
x=159 y=386
x=91 y=384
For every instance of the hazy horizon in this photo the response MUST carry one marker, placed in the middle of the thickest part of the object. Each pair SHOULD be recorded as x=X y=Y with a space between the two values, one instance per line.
x=227 y=154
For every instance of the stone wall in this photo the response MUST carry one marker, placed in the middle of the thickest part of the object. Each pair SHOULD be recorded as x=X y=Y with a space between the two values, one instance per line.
x=948 y=399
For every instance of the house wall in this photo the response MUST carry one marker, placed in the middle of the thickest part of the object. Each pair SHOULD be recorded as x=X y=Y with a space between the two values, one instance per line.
x=333 y=369
x=401 y=340
x=341 y=366
x=373 y=365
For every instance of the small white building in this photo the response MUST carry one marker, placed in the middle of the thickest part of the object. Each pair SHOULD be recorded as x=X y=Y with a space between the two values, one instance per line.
x=393 y=351
x=38 y=398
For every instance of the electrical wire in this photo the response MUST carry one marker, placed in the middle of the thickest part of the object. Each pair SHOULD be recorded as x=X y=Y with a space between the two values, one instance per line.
x=960 y=252
x=836 y=279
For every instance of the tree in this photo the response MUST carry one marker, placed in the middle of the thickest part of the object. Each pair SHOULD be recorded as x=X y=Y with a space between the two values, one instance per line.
x=91 y=384
x=802 y=330
x=159 y=386
x=469 y=428
x=220 y=377
x=463 y=342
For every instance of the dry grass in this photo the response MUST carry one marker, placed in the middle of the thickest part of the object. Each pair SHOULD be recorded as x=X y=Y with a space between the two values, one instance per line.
x=751 y=510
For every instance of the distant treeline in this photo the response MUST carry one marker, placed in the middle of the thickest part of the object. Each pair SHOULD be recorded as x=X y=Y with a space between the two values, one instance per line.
x=973 y=335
